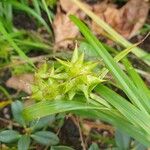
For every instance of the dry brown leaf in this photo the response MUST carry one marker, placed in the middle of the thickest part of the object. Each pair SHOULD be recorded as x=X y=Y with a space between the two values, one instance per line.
x=103 y=10
x=68 y=6
x=63 y=28
x=135 y=12
x=126 y=20
x=89 y=125
x=21 y=82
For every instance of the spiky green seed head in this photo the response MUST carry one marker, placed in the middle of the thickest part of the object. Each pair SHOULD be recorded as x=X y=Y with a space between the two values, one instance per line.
x=69 y=79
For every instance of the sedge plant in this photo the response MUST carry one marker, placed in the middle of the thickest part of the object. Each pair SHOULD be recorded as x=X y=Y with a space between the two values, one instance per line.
x=83 y=91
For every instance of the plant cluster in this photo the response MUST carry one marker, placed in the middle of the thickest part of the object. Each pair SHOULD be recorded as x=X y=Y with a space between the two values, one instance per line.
x=31 y=131
x=67 y=80
x=74 y=85
x=108 y=105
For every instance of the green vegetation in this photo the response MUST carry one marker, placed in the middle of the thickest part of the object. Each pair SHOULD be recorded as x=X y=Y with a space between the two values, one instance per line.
x=125 y=115
x=96 y=81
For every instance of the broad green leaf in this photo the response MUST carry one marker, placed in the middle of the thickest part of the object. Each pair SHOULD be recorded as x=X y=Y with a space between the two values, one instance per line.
x=61 y=148
x=24 y=142
x=87 y=49
x=42 y=122
x=9 y=136
x=45 y=138
x=139 y=146
x=122 y=140
x=94 y=146
x=17 y=108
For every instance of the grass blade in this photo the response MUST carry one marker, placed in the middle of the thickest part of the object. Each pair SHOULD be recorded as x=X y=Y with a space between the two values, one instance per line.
x=37 y=7
x=142 y=89
x=47 y=11
x=123 y=80
x=133 y=114
x=27 y=9
x=117 y=58
x=44 y=108
x=118 y=121
x=18 y=50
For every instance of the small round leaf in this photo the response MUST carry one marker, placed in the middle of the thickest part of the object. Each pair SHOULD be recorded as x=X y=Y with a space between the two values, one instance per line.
x=24 y=142
x=45 y=138
x=94 y=146
x=61 y=148
x=9 y=136
x=42 y=122
x=17 y=108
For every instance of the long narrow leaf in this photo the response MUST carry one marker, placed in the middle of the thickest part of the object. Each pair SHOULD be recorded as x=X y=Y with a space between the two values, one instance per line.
x=118 y=121
x=37 y=6
x=18 y=50
x=117 y=58
x=134 y=115
x=42 y=109
x=27 y=9
x=123 y=80
x=47 y=11
x=143 y=90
